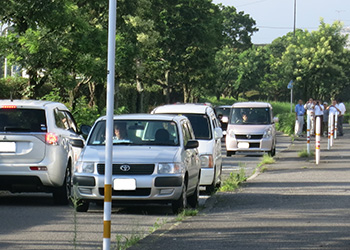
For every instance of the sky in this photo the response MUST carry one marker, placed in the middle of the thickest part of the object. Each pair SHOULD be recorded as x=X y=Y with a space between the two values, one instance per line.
x=275 y=18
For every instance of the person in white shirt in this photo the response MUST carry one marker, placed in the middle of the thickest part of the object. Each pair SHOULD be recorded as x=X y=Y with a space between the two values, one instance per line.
x=333 y=109
x=340 y=105
x=309 y=106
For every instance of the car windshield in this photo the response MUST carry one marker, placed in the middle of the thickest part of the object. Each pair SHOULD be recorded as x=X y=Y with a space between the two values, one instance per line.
x=137 y=132
x=250 y=116
x=22 y=120
x=224 y=111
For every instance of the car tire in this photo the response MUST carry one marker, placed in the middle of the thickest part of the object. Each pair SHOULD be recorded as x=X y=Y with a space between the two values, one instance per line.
x=82 y=206
x=61 y=195
x=218 y=184
x=193 y=199
x=272 y=152
x=180 y=204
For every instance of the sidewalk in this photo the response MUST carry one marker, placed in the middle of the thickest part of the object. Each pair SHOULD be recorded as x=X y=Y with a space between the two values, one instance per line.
x=295 y=204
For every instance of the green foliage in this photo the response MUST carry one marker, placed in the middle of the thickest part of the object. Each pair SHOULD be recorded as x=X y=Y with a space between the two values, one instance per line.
x=267 y=159
x=186 y=213
x=305 y=154
x=12 y=86
x=233 y=181
x=286 y=123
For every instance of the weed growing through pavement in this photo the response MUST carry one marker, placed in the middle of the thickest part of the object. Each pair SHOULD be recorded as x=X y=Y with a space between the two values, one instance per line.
x=186 y=213
x=75 y=202
x=233 y=181
x=305 y=154
x=123 y=242
x=267 y=159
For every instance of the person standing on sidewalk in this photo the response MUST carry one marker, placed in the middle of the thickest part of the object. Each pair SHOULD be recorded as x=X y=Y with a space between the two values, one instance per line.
x=325 y=118
x=342 y=109
x=309 y=106
x=299 y=118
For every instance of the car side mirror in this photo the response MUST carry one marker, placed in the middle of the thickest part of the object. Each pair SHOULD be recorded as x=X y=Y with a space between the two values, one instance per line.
x=218 y=133
x=77 y=143
x=85 y=129
x=192 y=144
x=275 y=119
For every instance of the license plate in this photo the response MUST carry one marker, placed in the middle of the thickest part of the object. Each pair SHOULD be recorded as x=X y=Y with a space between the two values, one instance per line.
x=243 y=145
x=7 y=147
x=124 y=184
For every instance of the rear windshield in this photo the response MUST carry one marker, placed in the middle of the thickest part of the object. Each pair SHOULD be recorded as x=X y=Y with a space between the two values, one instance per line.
x=22 y=120
x=250 y=116
x=137 y=132
x=224 y=111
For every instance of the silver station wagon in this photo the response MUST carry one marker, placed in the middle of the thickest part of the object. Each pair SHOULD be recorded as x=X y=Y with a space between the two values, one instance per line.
x=155 y=160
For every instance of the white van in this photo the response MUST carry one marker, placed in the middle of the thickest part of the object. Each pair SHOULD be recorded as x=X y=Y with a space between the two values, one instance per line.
x=207 y=131
x=251 y=129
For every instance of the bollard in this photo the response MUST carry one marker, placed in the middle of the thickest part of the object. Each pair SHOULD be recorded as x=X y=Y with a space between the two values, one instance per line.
x=318 y=139
x=308 y=133
x=329 y=132
x=335 y=124
x=331 y=115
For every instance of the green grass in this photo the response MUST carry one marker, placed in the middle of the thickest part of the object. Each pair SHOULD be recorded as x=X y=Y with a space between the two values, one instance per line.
x=267 y=159
x=304 y=154
x=233 y=181
x=186 y=213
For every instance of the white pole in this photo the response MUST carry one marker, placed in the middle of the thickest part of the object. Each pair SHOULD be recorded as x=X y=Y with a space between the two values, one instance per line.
x=112 y=20
x=318 y=139
x=335 y=124
x=291 y=100
x=308 y=117
x=332 y=128
x=329 y=132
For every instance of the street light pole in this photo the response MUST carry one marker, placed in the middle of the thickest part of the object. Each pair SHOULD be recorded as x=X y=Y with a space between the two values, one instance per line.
x=295 y=16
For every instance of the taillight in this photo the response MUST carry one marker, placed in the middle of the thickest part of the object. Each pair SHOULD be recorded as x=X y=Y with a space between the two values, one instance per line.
x=51 y=138
x=8 y=106
x=38 y=168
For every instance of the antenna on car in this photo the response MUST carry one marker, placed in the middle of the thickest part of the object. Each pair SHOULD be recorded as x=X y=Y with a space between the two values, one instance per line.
x=11 y=96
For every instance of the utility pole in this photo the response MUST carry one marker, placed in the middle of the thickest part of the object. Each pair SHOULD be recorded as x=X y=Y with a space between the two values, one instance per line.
x=295 y=16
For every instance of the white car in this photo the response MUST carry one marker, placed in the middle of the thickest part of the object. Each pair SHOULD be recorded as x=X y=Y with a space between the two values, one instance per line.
x=207 y=131
x=39 y=143
x=251 y=129
x=155 y=160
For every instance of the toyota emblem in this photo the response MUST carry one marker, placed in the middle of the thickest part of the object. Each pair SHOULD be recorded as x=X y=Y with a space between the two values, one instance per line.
x=125 y=168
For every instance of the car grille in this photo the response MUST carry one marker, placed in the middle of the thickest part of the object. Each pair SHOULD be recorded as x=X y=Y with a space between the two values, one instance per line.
x=254 y=145
x=249 y=137
x=137 y=192
x=135 y=169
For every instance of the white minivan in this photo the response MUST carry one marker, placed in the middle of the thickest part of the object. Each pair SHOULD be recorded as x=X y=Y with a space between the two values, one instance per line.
x=207 y=131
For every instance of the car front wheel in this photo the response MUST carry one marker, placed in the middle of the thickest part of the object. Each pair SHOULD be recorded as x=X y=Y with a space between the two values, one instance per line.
x=194 y=198
x=82 y=206
x=180 y=204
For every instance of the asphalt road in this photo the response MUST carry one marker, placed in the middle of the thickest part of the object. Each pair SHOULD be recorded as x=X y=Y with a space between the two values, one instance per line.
x=31 y=221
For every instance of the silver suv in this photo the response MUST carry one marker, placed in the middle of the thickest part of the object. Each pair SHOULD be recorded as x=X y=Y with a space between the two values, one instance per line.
x=155 y=160
x=39 y=143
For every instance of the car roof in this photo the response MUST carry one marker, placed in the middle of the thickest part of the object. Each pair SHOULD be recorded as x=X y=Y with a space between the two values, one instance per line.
x=162 y=117
x=251 y=105
x=189 y=108
x=223 y=106
x=31 y=103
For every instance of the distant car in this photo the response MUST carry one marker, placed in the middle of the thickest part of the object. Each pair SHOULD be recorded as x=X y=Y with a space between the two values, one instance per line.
x=39 y=143
x=207 y=131
x=251 y=129
x=222 y=113
x=155 y=160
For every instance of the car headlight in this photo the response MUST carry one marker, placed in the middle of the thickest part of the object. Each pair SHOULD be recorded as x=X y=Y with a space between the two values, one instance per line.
x=232 y=134
x=170 y=168
x=267 y=133
x=84 y=167
x=206 y=161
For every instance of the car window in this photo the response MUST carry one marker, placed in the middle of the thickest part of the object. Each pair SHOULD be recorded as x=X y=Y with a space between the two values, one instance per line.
x=71 y=122
x=61 y=119
x=201 y=126
x=224 y=111
x=22 y=120
x=250 y=116
x=185 y=132
x=137 y=132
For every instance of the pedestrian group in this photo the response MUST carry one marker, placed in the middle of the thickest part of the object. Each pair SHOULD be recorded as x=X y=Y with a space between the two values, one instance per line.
x=315 y=108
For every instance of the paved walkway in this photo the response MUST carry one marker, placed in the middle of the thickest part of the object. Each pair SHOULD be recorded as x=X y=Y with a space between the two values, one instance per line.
x=295 y=204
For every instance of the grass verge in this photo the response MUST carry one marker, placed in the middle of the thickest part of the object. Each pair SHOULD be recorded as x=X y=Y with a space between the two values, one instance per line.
x=186 y=213
x=305 y=154
x=233 y=181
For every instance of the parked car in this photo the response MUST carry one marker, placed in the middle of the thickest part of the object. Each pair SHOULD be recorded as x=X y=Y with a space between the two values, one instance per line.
x=223 y=113
x=251 y=129
x=207 y=131
x=155 y=160
x=39 y=143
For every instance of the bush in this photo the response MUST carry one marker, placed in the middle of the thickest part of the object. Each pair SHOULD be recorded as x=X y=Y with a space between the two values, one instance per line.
x=286 y=123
